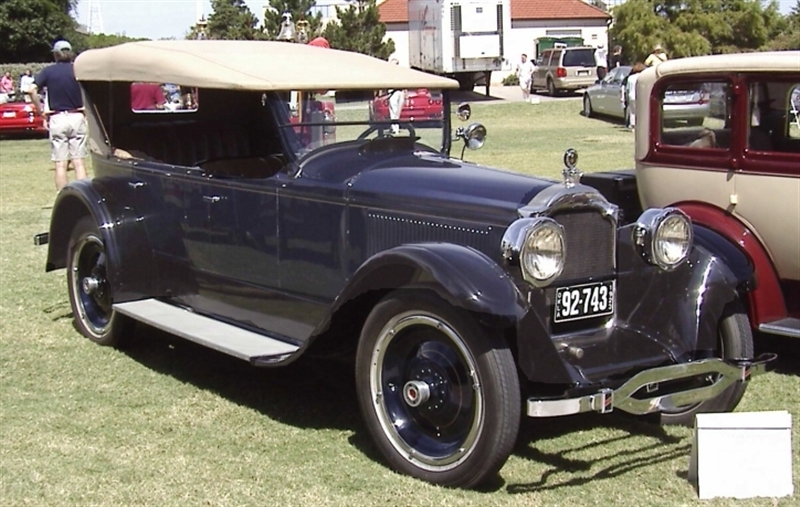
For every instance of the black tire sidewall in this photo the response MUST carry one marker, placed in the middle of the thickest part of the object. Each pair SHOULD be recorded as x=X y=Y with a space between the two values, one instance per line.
x=736 y=339
x=113 y=333
x=498 y=380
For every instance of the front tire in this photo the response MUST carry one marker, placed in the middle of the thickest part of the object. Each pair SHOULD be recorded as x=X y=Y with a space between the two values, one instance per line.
x=89 y=290
x=735 y=341
x=587 y=107
x=439 y=394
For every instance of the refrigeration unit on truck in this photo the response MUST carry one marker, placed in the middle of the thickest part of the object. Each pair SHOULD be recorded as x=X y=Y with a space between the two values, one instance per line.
x=462 y=39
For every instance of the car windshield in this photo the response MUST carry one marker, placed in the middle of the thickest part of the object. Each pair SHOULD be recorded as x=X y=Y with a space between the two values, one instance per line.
x=579 y=58
x=312 y=120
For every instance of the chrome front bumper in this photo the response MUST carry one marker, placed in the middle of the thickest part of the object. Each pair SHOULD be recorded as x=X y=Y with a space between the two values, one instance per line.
x=726 y=372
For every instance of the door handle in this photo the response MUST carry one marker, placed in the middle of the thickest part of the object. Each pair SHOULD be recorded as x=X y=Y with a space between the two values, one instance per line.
x=212 y=198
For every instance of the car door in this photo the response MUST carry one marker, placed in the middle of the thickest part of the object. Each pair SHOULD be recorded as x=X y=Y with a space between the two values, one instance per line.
x=609 y=102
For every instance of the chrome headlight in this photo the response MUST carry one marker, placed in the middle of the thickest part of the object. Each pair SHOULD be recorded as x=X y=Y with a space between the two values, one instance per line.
x=543 y=252
x=663 y=237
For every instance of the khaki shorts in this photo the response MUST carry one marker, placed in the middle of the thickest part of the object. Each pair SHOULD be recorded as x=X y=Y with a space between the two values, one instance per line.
x=68 y=136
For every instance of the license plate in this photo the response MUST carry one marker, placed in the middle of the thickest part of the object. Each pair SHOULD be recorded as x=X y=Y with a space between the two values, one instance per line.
x=9 y=114
x=583 y=72
x=584 y=301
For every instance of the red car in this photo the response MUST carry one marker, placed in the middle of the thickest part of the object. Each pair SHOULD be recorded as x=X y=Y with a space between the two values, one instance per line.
x=420 y=104
x=20 y=117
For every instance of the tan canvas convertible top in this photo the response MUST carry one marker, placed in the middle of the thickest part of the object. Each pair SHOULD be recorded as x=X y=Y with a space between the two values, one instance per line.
x=248 y=65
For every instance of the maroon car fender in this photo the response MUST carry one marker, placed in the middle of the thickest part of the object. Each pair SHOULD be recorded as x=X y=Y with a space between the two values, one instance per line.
x=461 y=275
x=766 y=299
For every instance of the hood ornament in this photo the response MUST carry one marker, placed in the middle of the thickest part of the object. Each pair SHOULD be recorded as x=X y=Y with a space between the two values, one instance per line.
x=572 y=175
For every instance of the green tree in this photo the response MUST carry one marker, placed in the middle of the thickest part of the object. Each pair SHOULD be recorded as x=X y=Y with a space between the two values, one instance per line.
x=360 y=29
x=789 y=38
x=28 y=28
x=695 y=27
x=300 y=10
x=232 y=20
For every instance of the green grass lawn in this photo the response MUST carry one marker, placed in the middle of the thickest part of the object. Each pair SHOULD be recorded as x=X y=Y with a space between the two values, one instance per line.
x=168 y=423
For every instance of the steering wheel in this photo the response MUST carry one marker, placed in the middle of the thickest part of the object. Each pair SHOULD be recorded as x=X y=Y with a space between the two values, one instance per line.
x=381 y=129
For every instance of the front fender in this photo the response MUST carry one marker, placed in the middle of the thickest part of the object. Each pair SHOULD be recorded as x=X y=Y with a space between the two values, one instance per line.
x=461 y=275
x=129 y=258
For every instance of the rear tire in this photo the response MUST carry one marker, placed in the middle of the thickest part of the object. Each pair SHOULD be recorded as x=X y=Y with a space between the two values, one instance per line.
x=551 y=88
x=89 y=289
x=439 y=394
x=735 y=341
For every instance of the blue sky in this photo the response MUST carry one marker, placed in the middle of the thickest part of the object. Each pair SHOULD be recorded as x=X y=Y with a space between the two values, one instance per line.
x=156 y=19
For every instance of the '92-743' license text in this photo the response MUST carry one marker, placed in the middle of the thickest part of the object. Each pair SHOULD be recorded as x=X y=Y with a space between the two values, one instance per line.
x=584 y=301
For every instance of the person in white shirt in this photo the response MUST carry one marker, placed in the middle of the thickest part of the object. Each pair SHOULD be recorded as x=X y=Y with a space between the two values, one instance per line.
x=25 y=82
x=601 y=61
x=525 y=70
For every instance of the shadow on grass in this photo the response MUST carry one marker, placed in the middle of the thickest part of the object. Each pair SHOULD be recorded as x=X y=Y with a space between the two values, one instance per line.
x=788 y=350
x=309 y=393
x=665 y=448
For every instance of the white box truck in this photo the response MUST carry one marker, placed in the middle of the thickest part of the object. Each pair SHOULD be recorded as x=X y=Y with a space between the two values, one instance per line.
x=462 y=39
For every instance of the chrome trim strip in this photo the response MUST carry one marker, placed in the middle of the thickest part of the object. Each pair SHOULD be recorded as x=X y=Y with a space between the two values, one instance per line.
x=559 y=198
x=727 y=372
x=785 y=327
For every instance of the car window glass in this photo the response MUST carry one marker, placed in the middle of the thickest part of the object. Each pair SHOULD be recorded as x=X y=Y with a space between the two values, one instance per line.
x=579 y=58
x=311 y=121
x=794 y=113
x=696 y=115
x=162 y=98
x=555 y=56
x=773 y=125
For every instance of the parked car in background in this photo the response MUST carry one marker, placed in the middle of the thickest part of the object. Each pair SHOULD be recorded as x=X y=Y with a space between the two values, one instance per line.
x=419 y=104
x=689 y=105
x=465 y=296
x=605 y=98
x=20 y=118
x=736 y=172
x=566 y=69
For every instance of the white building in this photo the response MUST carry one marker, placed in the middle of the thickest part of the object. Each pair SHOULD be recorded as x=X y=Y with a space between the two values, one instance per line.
x=535 y=25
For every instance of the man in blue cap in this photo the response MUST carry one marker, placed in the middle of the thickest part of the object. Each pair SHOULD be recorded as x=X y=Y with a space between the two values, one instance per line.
x=65 y=116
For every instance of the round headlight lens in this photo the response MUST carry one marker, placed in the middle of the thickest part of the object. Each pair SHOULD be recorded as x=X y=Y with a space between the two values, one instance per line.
x=542 y=255
x=672 y=241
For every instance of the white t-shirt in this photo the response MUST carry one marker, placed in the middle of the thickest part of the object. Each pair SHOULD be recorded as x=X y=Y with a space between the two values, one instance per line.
x=525 y=71
x=25 y=83
x=601 y=57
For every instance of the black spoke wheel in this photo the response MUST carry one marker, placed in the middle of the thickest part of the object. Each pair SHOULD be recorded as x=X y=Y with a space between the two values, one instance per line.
x=735 y=340
x=89 y=290
x=440 y=396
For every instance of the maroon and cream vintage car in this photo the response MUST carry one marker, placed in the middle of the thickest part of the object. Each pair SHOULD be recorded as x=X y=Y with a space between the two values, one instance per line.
x=738 y=174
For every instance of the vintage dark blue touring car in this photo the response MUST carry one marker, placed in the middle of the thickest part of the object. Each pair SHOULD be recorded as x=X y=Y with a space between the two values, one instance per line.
x=269 y=213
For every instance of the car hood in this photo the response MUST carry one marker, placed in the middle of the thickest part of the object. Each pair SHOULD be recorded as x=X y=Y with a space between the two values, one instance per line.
x=431 y=184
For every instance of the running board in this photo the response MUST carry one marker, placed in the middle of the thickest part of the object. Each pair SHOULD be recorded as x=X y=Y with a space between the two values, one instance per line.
x=785 y=327
x=235 y=341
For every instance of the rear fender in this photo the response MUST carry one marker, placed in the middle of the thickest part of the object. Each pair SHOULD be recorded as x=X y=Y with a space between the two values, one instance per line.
x=129 y=259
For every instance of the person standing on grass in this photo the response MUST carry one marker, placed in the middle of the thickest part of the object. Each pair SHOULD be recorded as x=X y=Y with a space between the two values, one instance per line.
x=25 y=82
x=65 y=120
x=601 y=61
x=629 y=95
x=525 y=71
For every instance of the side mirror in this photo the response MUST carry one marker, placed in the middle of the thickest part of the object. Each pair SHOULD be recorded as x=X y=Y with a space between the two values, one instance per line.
x=463 y=112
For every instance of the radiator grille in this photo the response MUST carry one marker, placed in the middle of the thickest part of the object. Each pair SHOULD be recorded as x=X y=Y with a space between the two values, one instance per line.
x=591 y=239
x=388 y=231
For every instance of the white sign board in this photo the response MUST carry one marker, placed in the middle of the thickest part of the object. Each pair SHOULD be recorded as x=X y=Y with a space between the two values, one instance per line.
x=742 y=455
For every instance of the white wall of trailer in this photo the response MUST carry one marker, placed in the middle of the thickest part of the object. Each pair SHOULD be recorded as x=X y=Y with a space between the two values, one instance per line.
x=520 y=39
